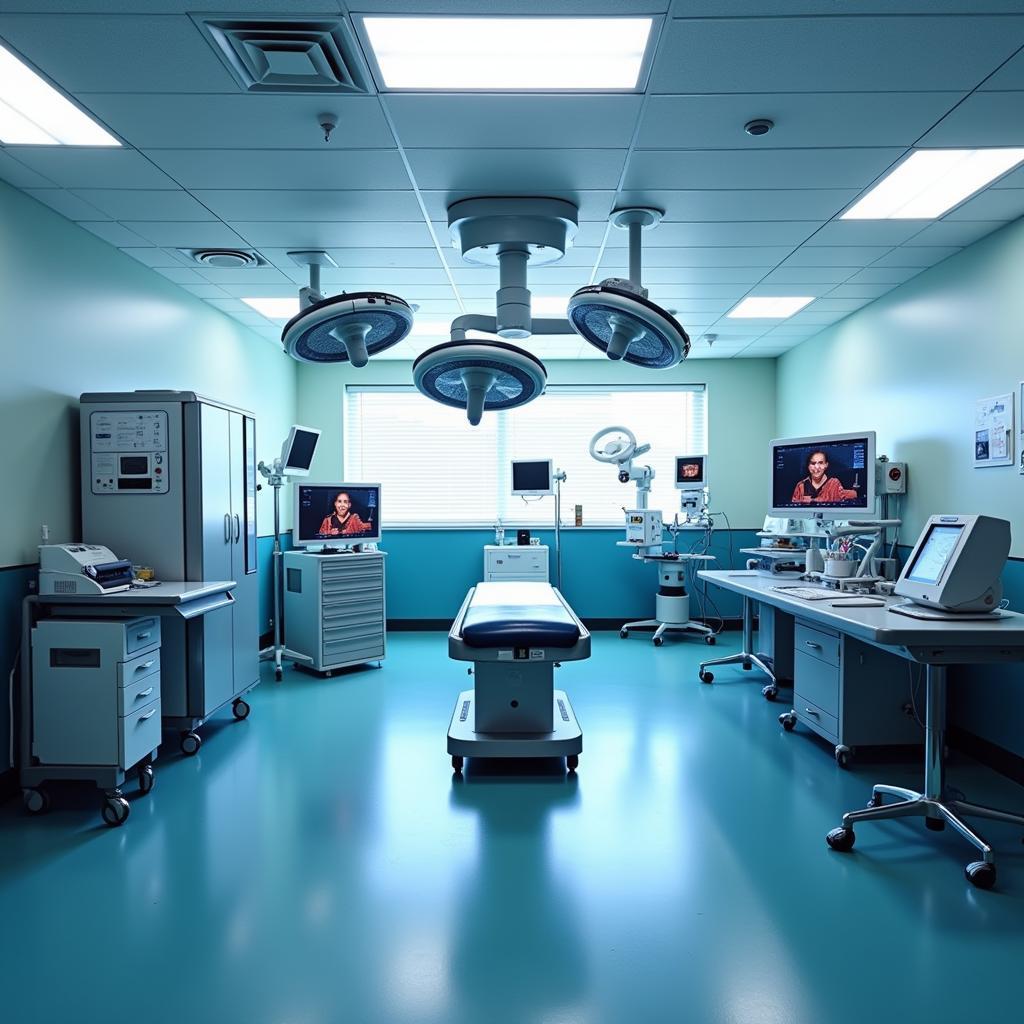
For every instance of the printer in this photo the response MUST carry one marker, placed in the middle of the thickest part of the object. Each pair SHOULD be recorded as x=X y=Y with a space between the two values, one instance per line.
x=82 y=569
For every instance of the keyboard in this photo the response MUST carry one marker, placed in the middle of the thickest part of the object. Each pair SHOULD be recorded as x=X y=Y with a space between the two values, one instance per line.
x=809 y=593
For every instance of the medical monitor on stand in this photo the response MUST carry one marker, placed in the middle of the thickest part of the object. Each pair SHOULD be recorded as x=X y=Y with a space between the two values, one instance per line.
x=297 y=451
x=336 y=515
x=828 y=476
x=534 y=478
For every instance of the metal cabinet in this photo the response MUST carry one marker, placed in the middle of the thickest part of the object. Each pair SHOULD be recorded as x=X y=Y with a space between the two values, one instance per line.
x=849 y=692
x=334 y=607
x=169 y=481
x=507 y=563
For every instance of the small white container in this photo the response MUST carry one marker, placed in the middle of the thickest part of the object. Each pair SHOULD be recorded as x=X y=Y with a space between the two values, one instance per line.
x=840 y=568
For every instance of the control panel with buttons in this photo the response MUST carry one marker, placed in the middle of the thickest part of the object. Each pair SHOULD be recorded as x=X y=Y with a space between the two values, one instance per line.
x=128 y=451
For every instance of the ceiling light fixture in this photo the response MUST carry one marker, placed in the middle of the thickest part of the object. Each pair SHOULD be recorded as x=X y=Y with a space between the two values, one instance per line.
x=274 y=309
x=769 y=307
x=494 y=54
x=33 y=113
x=931 y=181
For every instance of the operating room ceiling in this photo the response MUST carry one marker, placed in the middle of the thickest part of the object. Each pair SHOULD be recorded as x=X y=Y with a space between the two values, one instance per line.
x=851 y=87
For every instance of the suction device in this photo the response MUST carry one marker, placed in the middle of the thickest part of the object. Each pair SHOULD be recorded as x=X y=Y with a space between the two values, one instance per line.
x=348 y=327
x=479 y=375
x=617 y=317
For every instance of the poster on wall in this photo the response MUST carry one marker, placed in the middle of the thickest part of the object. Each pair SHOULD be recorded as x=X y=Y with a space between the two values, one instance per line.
x=993 y=431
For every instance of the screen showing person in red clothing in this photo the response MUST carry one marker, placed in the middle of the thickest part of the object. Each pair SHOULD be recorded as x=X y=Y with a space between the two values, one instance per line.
x=820 y=476
x=349 y=513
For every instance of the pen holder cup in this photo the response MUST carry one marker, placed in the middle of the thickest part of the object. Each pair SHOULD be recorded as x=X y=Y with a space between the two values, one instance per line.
x=840 y=568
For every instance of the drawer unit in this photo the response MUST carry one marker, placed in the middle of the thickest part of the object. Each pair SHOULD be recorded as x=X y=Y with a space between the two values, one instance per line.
x=817 y=719
x=527 y=563
x=334 y=607
x=819 y=643
x=95 y=692
x=817 y=682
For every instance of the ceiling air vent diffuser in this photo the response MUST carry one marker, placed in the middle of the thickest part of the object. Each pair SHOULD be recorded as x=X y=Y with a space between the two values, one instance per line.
x=288 y=55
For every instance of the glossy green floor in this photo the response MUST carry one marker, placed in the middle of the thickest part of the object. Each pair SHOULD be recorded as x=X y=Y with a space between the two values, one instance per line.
x=318 y=863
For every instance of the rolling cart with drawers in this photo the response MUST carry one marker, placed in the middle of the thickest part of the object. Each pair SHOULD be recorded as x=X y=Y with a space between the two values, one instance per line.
x=334 y=610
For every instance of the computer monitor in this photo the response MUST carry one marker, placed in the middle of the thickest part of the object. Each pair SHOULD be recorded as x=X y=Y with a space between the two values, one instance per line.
x=830 y=476
x=956 y=564
x=336 y=514
x=691 y=472
x=530 y=478
x=297 y=450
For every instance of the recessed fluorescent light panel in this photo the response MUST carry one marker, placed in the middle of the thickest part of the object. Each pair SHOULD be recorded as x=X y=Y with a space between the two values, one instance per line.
x=275 y=309
x=522 y=54
x=932 y=181
x=766 y=307
x=33 y=113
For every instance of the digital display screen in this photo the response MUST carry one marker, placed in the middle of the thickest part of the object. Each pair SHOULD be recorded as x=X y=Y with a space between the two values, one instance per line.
x=934 y=554
x=300 y=455
x=832 y=474
x=134 y=464
x=531 y=476
x=690 y=471
x=338 y=513
x=134 y=483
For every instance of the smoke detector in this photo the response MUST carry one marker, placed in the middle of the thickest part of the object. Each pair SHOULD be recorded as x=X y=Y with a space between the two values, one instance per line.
x=225 y=259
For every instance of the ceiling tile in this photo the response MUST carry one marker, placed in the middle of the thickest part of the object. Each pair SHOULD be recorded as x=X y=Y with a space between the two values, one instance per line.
x=866 y=232
x=270 y=169
x=568 y=7
x=247 y=121
x=770 y=288
x=703 y=275
x=710 y=256
x=767 y=169
x=742 y=204
x=115 y=234
x=838 y=54
x=1011 y=74
x=834 y=305
x=801 y=119
x=674 y=233
x=206 y=291
x=84 y=167
x=956 y=232
x=243 y=275
x=860 y=291
x=146 y=204
x=186 y=234
x=1015 y=179
x=836 y=256
x=593 y=205
x=67 y=204
x=992 y=204
x=156 y=257
x=514 y=122
x=517 y=172
x=884 y=275
x=310 y=204
x=181 y=275
x=808 y=275
x=109 y=53
x=326 y=234
x=765 y=8
x=983 y=119
x=16 y=173
x=916 y=256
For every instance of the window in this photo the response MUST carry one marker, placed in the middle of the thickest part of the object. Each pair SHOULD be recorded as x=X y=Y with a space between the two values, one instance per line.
x=437 y=470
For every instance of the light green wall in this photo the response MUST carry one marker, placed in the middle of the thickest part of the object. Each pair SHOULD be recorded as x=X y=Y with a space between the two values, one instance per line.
x=741 y=416
x=80 y=316
x=911 y=366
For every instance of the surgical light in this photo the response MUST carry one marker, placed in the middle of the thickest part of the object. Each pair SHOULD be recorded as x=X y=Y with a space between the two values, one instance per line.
x=33 y=113
x=931 y=181
x=493 y=54
x=769 y=307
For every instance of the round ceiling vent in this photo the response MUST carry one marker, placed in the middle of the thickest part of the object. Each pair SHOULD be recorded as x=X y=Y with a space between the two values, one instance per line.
x=225 y=259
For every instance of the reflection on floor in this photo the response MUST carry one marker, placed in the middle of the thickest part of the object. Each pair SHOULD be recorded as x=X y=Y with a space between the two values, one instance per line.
x=319 y=863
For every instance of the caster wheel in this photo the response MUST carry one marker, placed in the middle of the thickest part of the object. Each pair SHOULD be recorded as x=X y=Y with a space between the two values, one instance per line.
x=457 y=761
x=937 y=825
x=981 y=874
x=770 y=692
x=623 y=634
x=843 y=757
x=711 y=640
x=788 y=721
x=705 y=677
x=658 y=641
x=240 y=709
x=278 y=674
x=146 y=779
x=115 y=811
x=747 y=666
x=190 y=743
x=36 y=801
x=572 y=761
x=841 y=839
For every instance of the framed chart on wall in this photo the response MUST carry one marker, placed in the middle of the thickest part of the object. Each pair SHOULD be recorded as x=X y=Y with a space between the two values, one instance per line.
x=994 y=431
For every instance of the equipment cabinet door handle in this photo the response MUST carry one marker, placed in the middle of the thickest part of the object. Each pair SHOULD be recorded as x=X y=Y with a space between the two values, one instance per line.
x=808 y=711
x=227 y=527
x=238 y=527
x=142 y=636
x=147 y=715
x=144 y=693
x=808 y=643
x=145 y=665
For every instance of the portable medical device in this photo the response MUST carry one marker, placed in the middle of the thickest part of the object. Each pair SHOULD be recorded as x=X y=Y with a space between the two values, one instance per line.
x=955 y=566
x=692 y=484
x=643 y=527
x=533 y=478
x=827 y=477
x=336 y=514
x=82 y=569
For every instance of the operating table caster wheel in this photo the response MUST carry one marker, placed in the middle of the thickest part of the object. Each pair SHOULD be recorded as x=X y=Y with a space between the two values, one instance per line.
x=190 y=743
x=240 y=709
x=115 y=809
x=981 y=874
x=705 y=676
x=844 y=755
x=457 y=761
x=658 y=641
x=787 y=720
x=841 y=839
x=36 y=801
x=769 y=692
x=711 y=640
x=624 y=634
x=146 y=779
x=572 y=761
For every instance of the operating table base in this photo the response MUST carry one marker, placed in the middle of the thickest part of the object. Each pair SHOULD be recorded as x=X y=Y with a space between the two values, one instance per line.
x=565 y=740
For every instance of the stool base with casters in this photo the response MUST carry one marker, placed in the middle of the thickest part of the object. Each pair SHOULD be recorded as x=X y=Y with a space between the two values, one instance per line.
x=747 y=657
x=671 y=603
x=930 y=804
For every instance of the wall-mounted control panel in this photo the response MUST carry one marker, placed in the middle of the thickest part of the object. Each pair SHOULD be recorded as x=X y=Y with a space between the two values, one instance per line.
x=128 y=452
